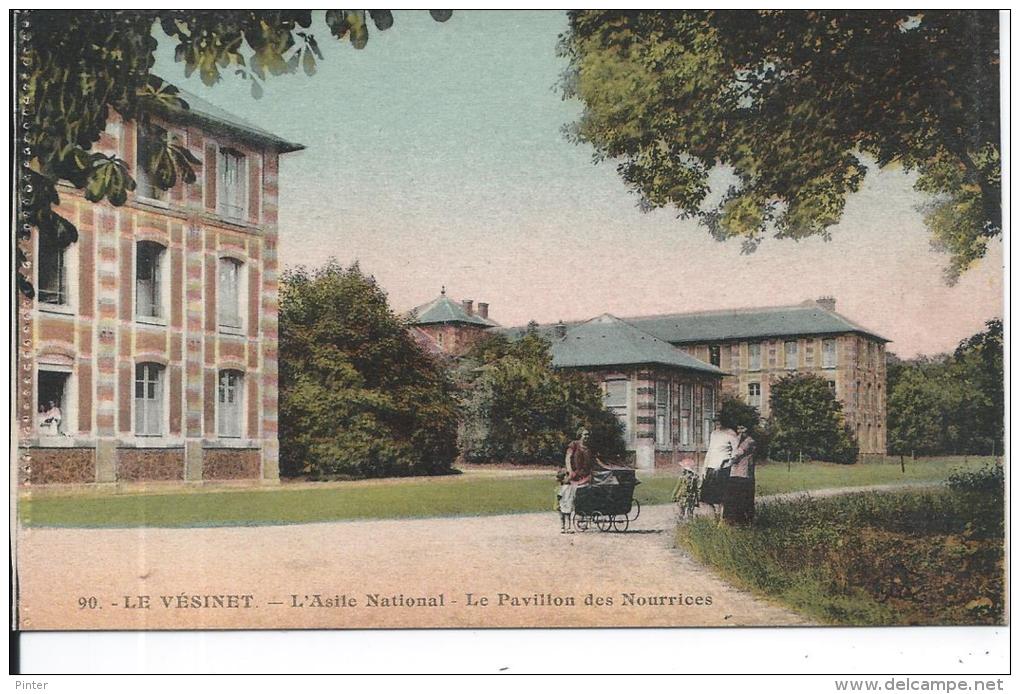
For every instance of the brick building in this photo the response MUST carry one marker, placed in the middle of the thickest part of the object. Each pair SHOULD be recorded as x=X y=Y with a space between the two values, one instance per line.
x=452 y=327
x=150 y=350
x=751 y=348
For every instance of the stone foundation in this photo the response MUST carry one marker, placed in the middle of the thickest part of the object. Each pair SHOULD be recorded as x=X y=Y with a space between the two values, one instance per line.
x=138 y=464
x=231 y=464
x=59 y=465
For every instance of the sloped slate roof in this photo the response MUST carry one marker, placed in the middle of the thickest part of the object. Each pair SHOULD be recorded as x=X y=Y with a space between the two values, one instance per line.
x=445 y=310
x=748 y=323
x=609 y=341
x=202 y=111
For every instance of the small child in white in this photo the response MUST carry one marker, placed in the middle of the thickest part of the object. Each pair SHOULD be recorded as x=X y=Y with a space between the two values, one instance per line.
x=564 y=501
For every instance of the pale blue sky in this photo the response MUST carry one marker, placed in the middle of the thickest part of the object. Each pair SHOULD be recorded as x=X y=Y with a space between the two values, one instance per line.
x=435 y=157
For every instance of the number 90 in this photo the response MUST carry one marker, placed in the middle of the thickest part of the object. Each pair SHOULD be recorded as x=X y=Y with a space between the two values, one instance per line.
x=89 y=603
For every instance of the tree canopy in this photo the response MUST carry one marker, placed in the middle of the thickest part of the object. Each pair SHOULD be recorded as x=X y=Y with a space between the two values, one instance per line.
x=519 y=409
x=358 y=396
x=76 y=65
x=807 y=420
x=793 y=105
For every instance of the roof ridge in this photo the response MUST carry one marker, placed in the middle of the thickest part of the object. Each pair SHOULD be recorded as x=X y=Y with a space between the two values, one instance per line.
x=742 y=309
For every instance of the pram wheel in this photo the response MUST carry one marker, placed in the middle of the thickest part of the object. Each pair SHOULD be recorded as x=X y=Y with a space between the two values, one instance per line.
x=621 y=523
x=635 y=509
x=603 y=522
x=581 y=523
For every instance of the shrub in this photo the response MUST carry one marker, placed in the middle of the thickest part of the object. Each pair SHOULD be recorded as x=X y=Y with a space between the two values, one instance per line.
x=358 y=396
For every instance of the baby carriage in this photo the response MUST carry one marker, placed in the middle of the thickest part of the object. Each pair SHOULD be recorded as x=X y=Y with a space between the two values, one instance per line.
x=607 y=502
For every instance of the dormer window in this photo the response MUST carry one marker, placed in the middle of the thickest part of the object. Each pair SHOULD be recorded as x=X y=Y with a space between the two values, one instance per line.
x=232 y=184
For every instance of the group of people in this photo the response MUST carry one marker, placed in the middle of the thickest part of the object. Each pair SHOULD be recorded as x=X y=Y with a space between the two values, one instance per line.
x=727 y=474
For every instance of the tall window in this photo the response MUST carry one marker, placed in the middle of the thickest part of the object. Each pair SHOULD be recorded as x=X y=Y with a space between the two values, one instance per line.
x=708 y=412
x=230 y=404
x=52 y=405
x=754 y=395
x=150 y=140
x=148 y=400
x=52 y=262
x=229 y=290
x=686 y=413
x=829 y=354
x=754 y=356
x=149 y=263
x=832 y=387
x=232 y=186
x=713 y=355
x=790 y=352
x=663 y=416
x=616 y=402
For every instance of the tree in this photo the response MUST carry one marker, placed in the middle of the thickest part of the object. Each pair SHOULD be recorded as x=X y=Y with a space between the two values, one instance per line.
x=519 y=409
x=807 y=420
x=915 y=414
x=792 y=104
x=74 y=66
x=358 y=396
x=734 y=412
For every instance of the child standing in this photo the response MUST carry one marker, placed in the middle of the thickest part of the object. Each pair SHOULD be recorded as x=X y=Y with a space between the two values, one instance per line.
x=564 y=501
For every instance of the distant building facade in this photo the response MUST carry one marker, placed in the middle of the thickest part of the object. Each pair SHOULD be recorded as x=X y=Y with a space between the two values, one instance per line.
x=453 y=327
x=668 y=407
x=150 y=349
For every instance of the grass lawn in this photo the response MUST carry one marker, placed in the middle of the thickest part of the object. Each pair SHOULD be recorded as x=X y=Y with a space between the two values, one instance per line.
x=465 y=495
x=932 y=556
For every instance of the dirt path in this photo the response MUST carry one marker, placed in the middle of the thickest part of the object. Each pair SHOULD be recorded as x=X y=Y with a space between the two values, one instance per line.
x=522 y=556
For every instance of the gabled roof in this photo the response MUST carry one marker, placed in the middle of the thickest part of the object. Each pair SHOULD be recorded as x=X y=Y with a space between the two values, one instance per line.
x=443 y=309
x=779 y=321
x=609 y=341
x=201 y=111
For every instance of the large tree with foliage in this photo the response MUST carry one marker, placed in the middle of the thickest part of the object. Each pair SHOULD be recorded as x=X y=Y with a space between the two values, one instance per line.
x=794 y=104
x=519 y=409
x=950 y=403
x=358 y=396
x=807 y=421
x=74 y=66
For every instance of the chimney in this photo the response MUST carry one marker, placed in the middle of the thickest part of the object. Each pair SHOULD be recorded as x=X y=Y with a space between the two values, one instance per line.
x=469 y=306
x=827 y=302
x=561 y=330
x=483 y=309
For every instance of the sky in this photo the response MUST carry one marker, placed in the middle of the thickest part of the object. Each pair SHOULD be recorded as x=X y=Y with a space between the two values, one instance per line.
x=435 y=157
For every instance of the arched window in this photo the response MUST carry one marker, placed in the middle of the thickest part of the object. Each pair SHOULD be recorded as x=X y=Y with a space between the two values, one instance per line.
x=150 y=266
x=149 y=411
x=230 y=404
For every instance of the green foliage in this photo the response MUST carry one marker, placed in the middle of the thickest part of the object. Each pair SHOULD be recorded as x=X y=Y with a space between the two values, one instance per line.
x=867 y=559
x=519 y=409
x=793 y=105
x=734 y=412
x=952 y=403
x=807 y=420
x=76 y=65
x=358 y=396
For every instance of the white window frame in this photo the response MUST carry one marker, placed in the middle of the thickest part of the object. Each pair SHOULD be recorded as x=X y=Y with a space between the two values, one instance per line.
x=707 y=412
x=663 y=413
x=686 y=414
x=233 y=428
x=150 y=413
x=829 y=358
x=68 y=402
x=233 y=179
x=241 y=287
x=622 y=411
x=787 y=354
x=752 y=363
x=162 y=279
x=145 y=189
x=754 y=395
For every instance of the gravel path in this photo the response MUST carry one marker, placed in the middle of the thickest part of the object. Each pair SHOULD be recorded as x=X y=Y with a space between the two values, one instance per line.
x=530 y=574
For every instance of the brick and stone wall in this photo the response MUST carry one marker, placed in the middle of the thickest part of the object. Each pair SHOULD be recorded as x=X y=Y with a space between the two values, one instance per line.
x=230 y=464
x=99 y=341
x=59 y=465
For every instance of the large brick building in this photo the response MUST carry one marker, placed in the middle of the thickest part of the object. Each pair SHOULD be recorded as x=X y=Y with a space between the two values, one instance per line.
x=668 y=414
x=150 y=350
